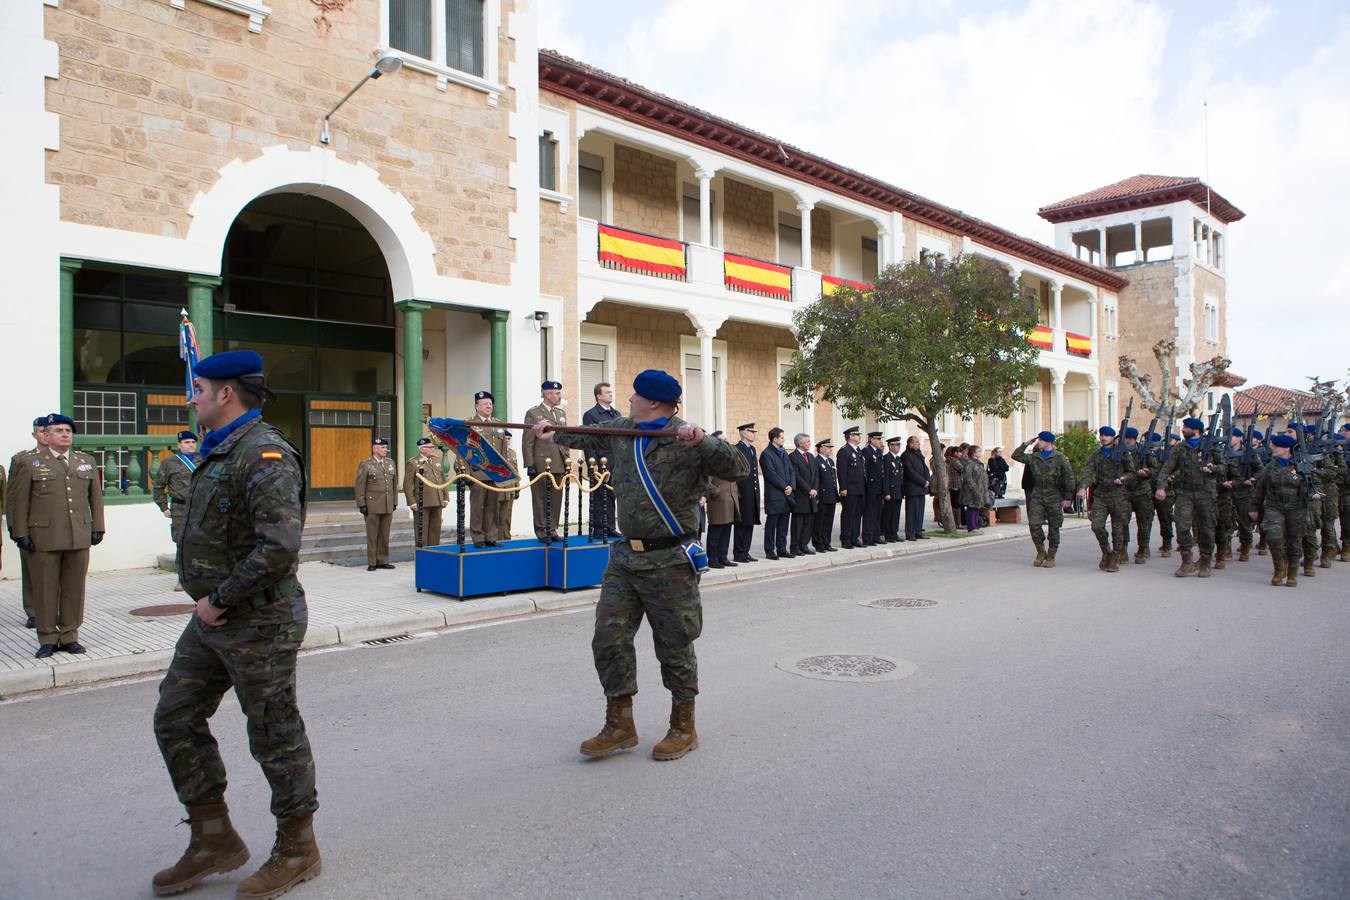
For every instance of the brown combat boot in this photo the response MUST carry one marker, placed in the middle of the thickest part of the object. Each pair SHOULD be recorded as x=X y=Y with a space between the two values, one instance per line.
x=1113 y=560
x=1308 y=567
x=1277 y=580
x=1220 y=558
x=1140 y=556
x=295 y=858
x=1345 y=550
x=1325 y=562
x=1244 y=552
x=1203 y=571
x=1291 y=573
x=1187 y=565
x=682 y=736
x=1105 y=562
x=214 y=847
x=1262 y=548
x=1049 y=558
x=618 y=733
x=1040 y=554
x=1165 y=551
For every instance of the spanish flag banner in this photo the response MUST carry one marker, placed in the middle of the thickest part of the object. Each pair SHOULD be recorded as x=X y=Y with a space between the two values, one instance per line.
x=829 y=285
x=1042 y=336
x=643 y=252
x=1078 y=344
x=749 y=274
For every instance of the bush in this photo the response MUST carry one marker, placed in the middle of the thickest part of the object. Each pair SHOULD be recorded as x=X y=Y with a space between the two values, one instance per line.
x=1077 y=444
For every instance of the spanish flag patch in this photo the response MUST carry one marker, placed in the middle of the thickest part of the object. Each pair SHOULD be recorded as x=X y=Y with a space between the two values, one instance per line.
x=270 y=454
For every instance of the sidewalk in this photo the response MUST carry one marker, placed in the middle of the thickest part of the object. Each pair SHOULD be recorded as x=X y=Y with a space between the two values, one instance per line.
x=346 y=606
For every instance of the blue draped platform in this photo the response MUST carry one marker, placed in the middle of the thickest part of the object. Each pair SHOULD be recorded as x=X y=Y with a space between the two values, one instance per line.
x=511 y=566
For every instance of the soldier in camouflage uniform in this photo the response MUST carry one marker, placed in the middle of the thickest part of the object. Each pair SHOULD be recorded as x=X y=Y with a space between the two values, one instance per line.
x=1052 y=494
x=1343 y=436
x=238 y=556
x=651 y=572
x=1280 y=502
x=1195 y=482
x=1302 y=435
x=1331 y=469
x=1225 y=506
x=1139 y=496
x=1109 y=472
x=1166 y=507
x=1243 y=477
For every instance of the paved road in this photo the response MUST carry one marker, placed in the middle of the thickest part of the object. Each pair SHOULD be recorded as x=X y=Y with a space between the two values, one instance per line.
x=1060 y=738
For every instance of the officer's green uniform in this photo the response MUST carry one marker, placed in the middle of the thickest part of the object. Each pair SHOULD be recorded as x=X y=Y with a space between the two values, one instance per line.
x=171 y=490
x=240 y=547
x=1196 y=497
x=1280 y=497
x=659 y=583
x=1139 y=500
x=377 y=495
x=433 y=499
x=508 y=500
x=483 y=503
x=541 y=456
x=1101 y=472
x=25 y=558
x=1054 y=484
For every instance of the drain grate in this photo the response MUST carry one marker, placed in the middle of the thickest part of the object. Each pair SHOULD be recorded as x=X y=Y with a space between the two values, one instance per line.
x=857 y=668
x=392 y=639
x=900 y=603
x=164 y=609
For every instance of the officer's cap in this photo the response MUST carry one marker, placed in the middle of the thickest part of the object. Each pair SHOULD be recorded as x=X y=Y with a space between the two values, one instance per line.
x=1106 y=431
x=483 y=395
x=824 y=442
x=872 y=434
x=551 y=386
x=423 y=441
x=380 y=442
x=230 y=364
x=1132 y=433
x=186 y=436
x=1193 y=424
x=58 y=419
x=654 y=384
x=1283 y=440
x=851 y=430
x=895 y=440
x=1047 y=436
x=748 y=426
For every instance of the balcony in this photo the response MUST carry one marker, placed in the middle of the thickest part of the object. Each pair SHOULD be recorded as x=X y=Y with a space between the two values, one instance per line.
x=1060 y=342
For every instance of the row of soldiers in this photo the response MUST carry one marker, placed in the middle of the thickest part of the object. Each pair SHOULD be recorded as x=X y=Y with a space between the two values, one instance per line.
x=1209 y=492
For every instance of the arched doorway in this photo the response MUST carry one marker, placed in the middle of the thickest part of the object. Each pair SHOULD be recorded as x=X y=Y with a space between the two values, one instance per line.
x=305 y=285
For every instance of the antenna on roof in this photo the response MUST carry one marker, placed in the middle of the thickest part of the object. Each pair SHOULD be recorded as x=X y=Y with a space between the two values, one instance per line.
x=1205 y=103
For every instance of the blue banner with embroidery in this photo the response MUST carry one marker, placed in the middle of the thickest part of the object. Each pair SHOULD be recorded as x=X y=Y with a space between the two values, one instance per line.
x=693 y=550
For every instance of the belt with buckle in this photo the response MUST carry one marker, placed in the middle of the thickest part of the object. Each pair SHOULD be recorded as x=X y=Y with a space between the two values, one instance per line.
x=663 y=543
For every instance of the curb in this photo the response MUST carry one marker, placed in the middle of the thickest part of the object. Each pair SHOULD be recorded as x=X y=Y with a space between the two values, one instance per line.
x=486 y=609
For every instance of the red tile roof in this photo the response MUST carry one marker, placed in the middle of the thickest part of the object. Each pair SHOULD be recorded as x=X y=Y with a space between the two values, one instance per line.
x=1231 y=380
x=1270 y=398
x=1138 y=192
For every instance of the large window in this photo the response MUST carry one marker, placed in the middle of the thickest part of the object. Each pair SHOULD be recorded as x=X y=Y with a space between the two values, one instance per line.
x=126 y=328
x=446 y=32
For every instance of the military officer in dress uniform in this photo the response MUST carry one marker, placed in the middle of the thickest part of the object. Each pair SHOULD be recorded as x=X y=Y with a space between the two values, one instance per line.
x=171 y=484
x=828 y=481
x=545 y=456
x=25 y=568
x=423 y=499
x=852 y=488
x=237 y=558
x=875 y=490
x=57 y=516
x=893 y=491
x=377 y=498
x=484 y=504
x=506 y=501
x=748 y=504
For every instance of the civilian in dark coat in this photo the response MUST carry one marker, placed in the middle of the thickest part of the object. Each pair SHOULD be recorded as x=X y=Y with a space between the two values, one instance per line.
x=780 y=483
x=916 y=480
x=875 y=494
x=604 y=522
x=852 y=470
x=998 y=473
x=747 y=506
x=827 y=496
x=892 y=482
x=804 y=513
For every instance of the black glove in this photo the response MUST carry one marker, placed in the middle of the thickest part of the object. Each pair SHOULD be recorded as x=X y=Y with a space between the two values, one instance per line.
x=26 y=543
x=532 y=473
x=96 y=537
x=363 y=510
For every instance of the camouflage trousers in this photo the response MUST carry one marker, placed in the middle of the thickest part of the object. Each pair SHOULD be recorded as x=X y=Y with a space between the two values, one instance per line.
x=1330 y=512
x=669 y=598
x=1042 y=512
x=1345 y=519
x=258 y=661
x=1142 y=506
x=1225 y=519
x=1195 y=514
x=1116 y=506
x=1310 y=529
x=1283 y=530
x=1166 y=511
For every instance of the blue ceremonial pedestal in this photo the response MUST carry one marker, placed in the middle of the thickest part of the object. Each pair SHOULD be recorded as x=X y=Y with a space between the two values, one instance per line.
x=511 y=566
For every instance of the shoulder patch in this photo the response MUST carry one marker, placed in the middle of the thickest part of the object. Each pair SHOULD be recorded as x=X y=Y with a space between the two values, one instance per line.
x=270 y=454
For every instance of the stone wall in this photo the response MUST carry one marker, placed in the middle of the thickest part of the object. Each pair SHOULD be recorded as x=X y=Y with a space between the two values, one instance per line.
x=1207 y=283
x=748 y=221
x=752 y=373
x=1146 y=312
x=647 y=339
x=645 y=192
x=822 y=240
x=558 y=264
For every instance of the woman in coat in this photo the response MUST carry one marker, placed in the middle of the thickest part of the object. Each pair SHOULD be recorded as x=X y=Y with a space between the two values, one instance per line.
x=724 y=507
x=998 y=474
x=975 y=494
x=956 y=470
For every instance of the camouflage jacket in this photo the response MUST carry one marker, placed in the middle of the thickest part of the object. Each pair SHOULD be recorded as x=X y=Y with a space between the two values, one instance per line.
x=241 y=537
x=681 y=474
x=1101 y=471
x=1330 y=472
x=1142 y=484
x=171 y=483
x=1281 y=487
x=1053 y=474
x=1187 y=472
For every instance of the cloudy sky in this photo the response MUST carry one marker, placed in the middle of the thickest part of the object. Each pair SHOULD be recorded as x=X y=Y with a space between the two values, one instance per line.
x=1000 y=108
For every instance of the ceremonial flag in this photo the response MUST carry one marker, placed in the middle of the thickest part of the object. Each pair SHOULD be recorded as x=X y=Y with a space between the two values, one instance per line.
x=1042 y=336
x=643 y=252
x=758 y=276
x=1078 y=344
x=829 y=285
x=477 y=454
x=188 y=352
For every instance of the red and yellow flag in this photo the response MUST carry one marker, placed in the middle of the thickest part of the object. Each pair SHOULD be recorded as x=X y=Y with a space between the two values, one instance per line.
x=750 y=274
x=634 y=250
x=1078 y=344
x=1042 y=336
x=829 y=285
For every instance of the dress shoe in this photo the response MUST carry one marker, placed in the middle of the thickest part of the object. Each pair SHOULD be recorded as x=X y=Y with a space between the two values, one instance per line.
x=31 y=623
x=787 y=555
x=45 y=651
x=615 y=533
x=768 y=555
x=742 y=559
x=372 y=568
x=922 y=537
x=729 y=564
x=716 y=565
x=479 y=544
x=555 y=538
x=72 y=647
x=386 y=566
x=806 y=551
x=830 y=549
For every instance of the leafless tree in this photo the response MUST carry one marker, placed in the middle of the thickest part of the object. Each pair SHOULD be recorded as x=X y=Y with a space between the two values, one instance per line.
x=1165 y=401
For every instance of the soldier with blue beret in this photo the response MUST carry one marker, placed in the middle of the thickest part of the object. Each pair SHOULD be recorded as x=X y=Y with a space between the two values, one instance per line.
x=1053 y=493
x=1193 y=477
x=1108 y=473
x=171 y=482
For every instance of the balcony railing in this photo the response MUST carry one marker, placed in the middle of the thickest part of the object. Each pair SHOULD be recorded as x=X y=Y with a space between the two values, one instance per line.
x=128 y=463
x=757 y=276
x=645 y=254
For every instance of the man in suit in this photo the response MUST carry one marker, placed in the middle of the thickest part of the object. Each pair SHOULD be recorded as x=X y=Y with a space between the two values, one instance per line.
x=827 y=497
x=377 y=498
x=57 y=516
x=603 y=522
x=546 y=456
x=893 y=485
x=916 y=479
x=852 y=488
x=433 y=499
x=804 y=513
x=15 y=461
x=747 y=506
x=483 y=504
x=874 y=492
x=780 y=483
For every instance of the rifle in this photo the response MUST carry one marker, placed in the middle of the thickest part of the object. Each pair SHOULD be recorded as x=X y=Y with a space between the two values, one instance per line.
x=1305 y=463
x=1144 y=446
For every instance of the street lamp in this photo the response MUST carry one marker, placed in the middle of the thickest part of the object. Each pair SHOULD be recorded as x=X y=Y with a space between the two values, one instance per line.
x=387 y=64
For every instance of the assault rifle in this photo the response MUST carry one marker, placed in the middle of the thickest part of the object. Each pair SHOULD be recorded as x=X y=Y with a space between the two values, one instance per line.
x=1143 y=448
x=1305 y=462
x=1124 y=423
x=1247 y=457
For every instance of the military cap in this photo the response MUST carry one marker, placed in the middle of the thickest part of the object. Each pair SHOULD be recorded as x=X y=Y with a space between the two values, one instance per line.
x=851 y=430
x=1154 y=437
x=40 y=422
x=186 y=436
x=1309 y=428
x=380 y=442
x=230 y=364
x=1345 y=427
x=1237 y=432
x=58 y=419
x=657 y=385
x=748 y=426
x=1339 y=437
x=895 y=440
x=1283 y=440
x=1132 y=433
x=423 y=441
x=1106 y=431
x=1046 y=436
x=1258 y=435
x=824 y=442
x=1173 y=436
x=872 y=434
x=1193 y=424
x=483 y=395
x=551 y=386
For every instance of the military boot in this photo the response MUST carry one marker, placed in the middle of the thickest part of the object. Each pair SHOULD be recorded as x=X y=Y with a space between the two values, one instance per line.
x=682 y=737
x=1326 y=559
x=1105 y=563
x=1262 y=548
x=1165 y=551
x=214 y=847
x=1220 y=557
x=1040 y=554
x=1187 y=565
x=1244 y=552
x=1113 y=560
x=619 y=732
x=1308 y=567
x=295 y=858
x=1204 y=569
x=1345 y=551
x=1049 y=558
x=1291 y=573
x=1277 y=579
x=1140 y=556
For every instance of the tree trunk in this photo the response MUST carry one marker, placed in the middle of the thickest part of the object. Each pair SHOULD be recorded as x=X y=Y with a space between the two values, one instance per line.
x=946 y=515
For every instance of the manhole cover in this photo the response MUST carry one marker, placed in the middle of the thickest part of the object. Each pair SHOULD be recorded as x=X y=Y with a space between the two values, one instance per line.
x=899 y=603
x=859 y=668
x=165 y=609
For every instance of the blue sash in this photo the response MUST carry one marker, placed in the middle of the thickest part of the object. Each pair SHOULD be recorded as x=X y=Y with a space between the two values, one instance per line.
x=192 y=466
x=693 y=550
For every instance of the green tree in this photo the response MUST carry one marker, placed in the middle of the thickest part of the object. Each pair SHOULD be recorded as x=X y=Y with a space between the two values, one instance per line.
x=925 y=340
x=1077 y=444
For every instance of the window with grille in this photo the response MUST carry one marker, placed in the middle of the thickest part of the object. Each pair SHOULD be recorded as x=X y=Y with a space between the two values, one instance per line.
x=446 y=32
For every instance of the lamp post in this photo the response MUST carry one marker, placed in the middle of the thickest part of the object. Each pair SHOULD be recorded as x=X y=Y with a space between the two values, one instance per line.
x=387 y=64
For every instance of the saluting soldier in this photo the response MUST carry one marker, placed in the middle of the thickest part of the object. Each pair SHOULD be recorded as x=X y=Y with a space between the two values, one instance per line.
x=433 y=499
x=483 y=504
x=57 y=517
x=377 y=498
x=828 y=480
x=237 y=558
x=1195 y=482
x=507 y=501
x=1109 y=472
x=25 y=563
x=1052 y=494
x=1280 y=498
x=748 y=504
x=171 y=484
x=544 y=456
x=655 y=570
x=1139 y=496
x=852 y=488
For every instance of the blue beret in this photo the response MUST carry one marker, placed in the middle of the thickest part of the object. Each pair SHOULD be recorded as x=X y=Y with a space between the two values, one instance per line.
x=484 y=395
x=1339 y=437
x=1282 y=440
x=186 y=436
x=1132 y=433
x=1345 y=427
x=1237 y=432
x=1106 y=431
x=380 y=442
x=1258 y=435
x=40 y=422
x=1174 y=436
x=1047 y=437
x=657 y=385
x=1309 y=429
x=58 y=419
x=423 y=441
x=230 y=364
x=1193 y=424
x=1154 y=437
x=551 y=386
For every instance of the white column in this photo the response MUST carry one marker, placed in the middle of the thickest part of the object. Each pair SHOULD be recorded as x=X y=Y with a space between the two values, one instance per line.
x=705 y=365
x=883 y=247
x=1101 y=242
x=1138 y=242
x=704 y=206
x=1094 y=397
x=1092 y=319
x=804 y=209
x=1057 y=414
x=1057 y=293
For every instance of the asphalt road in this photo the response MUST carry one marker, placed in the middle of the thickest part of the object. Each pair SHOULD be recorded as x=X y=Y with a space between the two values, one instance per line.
x=1066 y=734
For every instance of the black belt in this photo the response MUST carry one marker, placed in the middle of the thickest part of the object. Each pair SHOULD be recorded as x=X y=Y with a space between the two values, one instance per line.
x=661 y=543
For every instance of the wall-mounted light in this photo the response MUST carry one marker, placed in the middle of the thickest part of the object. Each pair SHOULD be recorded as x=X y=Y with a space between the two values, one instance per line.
x=387 y=64
x=540 y=319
